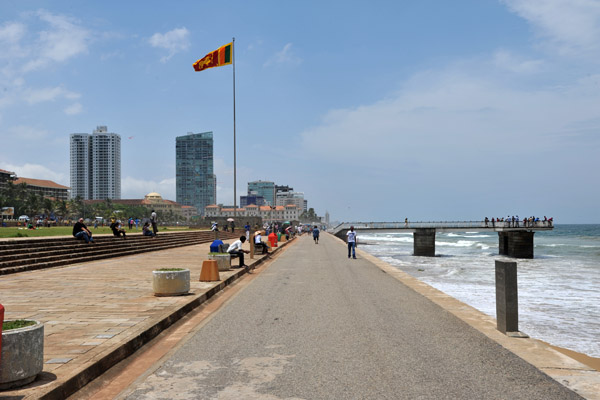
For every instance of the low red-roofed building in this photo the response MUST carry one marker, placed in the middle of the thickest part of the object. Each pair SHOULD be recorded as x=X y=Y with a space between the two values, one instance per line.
x=45 y=188
x=289 y=212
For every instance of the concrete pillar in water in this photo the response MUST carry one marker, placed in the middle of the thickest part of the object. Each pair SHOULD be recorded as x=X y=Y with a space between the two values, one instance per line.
x=424 y=242
x=516 y=244
x=507 y=304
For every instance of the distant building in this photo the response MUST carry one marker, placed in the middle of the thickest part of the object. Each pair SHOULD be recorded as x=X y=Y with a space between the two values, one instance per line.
x=96 y=165
x=196 y=184
x=188 y=212
x=5 y=177
x=296 y=198
x=265 y=189
x=252 y=199
x=152 y=201
x=45 y=188
x=267 y=213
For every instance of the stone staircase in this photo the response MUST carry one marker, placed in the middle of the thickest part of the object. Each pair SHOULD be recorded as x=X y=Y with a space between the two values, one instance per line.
x=21 y=255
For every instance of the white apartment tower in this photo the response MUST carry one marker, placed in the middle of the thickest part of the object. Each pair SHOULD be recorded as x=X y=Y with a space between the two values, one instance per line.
x=96 y=165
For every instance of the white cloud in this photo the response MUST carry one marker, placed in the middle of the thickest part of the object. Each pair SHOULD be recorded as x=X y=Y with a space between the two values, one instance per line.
x=27 y=132
x=174 y=41
x=461 y=114
x=65 y=39
x=11 y=34
x=285 y=56
x=134 y=188
x=568 y=26
x=74 y=109
x=506 y=60
x=36 y=171
x=33 y=96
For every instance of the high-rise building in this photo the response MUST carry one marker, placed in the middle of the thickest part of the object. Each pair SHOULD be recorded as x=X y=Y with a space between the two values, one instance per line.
x=196 y=184
x=96 y=165
x=287 y=198
x=265 y=189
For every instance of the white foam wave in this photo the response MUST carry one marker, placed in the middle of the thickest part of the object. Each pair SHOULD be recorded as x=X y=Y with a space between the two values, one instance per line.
x=460 y=243
x=386 y=239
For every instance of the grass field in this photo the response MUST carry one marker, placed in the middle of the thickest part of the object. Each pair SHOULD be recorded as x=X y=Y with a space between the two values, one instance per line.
x=68 y=231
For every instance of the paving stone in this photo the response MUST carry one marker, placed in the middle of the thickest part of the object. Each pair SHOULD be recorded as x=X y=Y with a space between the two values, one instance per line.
x=58 y=361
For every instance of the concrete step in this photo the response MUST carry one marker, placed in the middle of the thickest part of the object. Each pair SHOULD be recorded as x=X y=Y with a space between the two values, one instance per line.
x=64 y=251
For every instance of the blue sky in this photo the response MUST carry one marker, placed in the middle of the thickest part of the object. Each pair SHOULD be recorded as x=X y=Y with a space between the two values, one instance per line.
x=377 y=111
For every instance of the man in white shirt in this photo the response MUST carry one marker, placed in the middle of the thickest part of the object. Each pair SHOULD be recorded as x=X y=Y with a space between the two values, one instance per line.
x=352 y=241
x=235 y=249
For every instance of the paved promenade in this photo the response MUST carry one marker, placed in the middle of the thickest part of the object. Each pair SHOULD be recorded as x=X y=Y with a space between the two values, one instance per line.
x=98 y=312
x=316 y=325
x=313 y=314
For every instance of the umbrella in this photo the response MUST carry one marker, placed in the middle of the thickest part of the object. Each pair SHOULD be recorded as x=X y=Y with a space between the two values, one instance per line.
x=287 y=222
x=230 y=219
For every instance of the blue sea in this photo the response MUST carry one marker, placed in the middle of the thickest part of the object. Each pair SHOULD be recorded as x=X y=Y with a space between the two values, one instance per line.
x=559 y=289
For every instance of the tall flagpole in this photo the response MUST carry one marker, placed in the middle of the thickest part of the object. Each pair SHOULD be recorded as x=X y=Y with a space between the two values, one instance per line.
x=234 y=158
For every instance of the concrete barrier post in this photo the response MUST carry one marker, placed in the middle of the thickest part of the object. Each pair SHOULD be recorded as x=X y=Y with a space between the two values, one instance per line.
x=1 y=323
x=507 y=305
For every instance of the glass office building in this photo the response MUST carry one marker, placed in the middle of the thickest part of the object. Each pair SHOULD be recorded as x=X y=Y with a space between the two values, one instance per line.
x=196 y=184
x=266 y=189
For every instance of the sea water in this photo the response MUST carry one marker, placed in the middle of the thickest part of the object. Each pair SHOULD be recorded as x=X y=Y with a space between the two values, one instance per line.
x=559 y=289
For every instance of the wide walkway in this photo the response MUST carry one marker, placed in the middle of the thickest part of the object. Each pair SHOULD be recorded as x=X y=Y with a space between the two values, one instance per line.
x=98 y=312
x=316 y=325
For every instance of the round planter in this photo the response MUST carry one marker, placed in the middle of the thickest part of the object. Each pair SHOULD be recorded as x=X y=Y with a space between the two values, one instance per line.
x=22 y=355
x=171 y=283
x=223 y=261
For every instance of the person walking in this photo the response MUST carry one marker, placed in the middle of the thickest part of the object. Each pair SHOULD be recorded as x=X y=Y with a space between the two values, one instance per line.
x=154 y=220
x=352 y=241
x=316 y=234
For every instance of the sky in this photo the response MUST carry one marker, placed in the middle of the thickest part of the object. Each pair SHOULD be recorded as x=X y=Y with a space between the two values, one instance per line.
x=376 y=111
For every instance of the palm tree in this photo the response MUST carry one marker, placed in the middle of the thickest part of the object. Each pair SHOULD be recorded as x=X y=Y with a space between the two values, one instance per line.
x=47 y=206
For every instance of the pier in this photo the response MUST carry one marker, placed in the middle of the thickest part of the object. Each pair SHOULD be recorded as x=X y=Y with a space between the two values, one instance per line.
x=515 y=239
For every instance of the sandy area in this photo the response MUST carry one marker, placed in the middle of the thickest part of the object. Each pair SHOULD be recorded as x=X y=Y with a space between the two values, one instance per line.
x=593 y=362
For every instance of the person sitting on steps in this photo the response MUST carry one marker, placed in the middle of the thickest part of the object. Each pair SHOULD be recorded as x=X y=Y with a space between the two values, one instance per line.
x=235 y=250
x=258 y=243
x=146 y=231
x=117 y=229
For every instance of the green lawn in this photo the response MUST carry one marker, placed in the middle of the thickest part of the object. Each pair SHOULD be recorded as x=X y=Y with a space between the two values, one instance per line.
x=68 y=231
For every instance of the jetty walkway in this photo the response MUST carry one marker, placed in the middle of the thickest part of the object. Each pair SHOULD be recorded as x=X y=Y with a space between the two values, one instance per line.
x=515 y=239
x=311 y=324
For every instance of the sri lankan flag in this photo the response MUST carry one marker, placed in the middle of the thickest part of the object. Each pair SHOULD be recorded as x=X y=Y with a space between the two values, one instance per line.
x=222 y=56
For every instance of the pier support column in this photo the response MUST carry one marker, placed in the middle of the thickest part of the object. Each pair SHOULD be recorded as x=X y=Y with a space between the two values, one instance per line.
x=507 y=299
x=516 y=244
x=424 y=242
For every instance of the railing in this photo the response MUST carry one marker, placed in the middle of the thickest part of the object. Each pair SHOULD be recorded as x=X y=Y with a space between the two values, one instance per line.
x=444 y=225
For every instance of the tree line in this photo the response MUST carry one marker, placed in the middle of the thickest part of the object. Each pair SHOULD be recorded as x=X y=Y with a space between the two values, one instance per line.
x=26 y=202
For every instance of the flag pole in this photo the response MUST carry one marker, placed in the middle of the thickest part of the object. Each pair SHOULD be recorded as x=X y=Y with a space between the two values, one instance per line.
x=234 y=157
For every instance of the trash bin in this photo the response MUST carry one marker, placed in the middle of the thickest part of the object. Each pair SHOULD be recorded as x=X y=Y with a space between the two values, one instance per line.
x=272 y=239
x=214 y=246
x=278 y=236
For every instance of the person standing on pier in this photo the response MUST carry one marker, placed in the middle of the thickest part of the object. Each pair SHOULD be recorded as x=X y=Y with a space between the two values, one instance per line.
x=352 y=241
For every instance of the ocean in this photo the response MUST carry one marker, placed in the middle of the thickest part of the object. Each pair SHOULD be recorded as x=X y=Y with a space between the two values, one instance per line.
x=559 y=289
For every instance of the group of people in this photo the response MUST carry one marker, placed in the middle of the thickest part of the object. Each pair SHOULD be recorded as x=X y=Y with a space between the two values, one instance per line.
x=81 y=231
x=514 y=221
